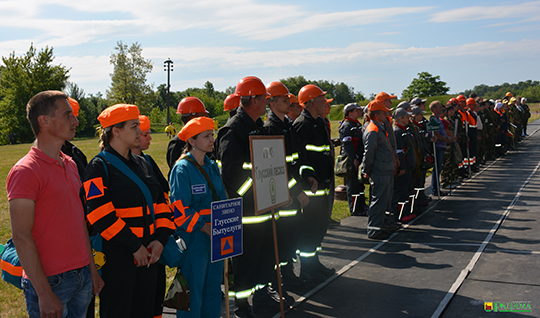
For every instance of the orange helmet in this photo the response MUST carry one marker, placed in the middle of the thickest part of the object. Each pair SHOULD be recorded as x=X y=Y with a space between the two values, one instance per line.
x=471 y=101
x=250 y=86
x=309 y=92
x=461 y=98
x=293 y=99
x=509 y=94
x=231 y=102
x=277 y=89
x=74 y=106
x=191 y=105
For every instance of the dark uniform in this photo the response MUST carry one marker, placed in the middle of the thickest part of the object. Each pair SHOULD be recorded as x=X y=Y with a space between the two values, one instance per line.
x=233 y=152
x=407 y=160
x=118 y=211
x=350 y=134
x=313 y=134
x=174 y=151
x=77 y=155
x=289 y=216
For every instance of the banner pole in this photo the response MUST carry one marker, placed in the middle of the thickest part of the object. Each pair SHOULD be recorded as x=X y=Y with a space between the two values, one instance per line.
x=278 y=269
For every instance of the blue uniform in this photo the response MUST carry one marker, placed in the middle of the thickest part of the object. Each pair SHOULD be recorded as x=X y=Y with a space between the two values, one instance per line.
x=191 y=199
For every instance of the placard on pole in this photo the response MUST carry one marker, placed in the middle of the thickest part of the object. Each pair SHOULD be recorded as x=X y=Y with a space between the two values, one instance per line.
x=270 y=184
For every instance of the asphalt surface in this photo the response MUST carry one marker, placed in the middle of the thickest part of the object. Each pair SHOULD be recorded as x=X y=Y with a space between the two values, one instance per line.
x=479 y=244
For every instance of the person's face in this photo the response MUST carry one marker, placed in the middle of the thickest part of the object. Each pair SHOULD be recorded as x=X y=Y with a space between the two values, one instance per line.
x=327 y=109
x=354 y=114
x=259 y=104
x=388 y=103
x=403 y=120
x=281 y=104
x=295 y=110
x=204 y=141
x=129 y=134
x=319 y=104
x=145 y=140
x=449 y=112
x=63 y=124
x=417 y=117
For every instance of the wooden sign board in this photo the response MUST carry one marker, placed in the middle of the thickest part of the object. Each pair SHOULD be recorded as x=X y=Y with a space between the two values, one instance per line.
x=269 y=172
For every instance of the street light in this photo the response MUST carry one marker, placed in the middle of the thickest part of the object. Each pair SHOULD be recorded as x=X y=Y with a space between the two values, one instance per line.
x=169 y=68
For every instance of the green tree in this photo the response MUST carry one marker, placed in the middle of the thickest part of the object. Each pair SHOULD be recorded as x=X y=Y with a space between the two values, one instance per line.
x=426 y=85
x=21 y=78
x=128 y=79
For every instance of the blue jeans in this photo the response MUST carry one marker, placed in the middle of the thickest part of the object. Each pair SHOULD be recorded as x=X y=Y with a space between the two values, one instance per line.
x=74 y=288
x=435 y=179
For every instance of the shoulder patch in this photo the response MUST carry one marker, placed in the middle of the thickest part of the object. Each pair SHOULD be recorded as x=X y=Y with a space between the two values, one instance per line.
x=372 y=127
x=94 y=188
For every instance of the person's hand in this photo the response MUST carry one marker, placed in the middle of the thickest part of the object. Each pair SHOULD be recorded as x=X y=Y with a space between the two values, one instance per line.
x=433 y=138
x=401 y=172
x=356 y=163
x=206 y=229
x=366 y=176
x=303 y=199
x=97 y=281
x=50 y=305
x=314 y=184
x=141 y=257
x=156 y=247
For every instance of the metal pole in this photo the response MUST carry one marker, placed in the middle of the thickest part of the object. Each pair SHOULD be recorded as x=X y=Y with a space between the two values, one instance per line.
x=436 y=170
x=278 y=269
x=169 y=63
x=468 y=152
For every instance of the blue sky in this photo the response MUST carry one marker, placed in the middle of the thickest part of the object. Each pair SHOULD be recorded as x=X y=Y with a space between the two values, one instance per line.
x=372 y=46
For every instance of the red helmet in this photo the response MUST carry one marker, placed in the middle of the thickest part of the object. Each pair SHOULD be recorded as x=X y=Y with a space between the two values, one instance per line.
x=471 y=101
x=461 y=98
x=231 y=102
x=191 y=105
x=309 y=92
x=277 y=89
x=250 y=86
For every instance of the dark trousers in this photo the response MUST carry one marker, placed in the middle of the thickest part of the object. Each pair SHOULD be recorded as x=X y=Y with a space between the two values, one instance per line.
x=402 y=190
x=382 y=188
x=129 y=291
x=314 y=223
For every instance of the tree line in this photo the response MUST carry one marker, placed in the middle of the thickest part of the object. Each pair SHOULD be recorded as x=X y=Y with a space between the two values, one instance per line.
x=21 y=77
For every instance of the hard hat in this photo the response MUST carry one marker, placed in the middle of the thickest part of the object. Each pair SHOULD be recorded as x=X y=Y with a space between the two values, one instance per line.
x=191 y=105
x=250 y=86
x=461 y=98
x=277 y=89
x=309 y=92
x=509 y=94
x=293 y=99
x=74 y=106
x=471 y=101
x=231 y=102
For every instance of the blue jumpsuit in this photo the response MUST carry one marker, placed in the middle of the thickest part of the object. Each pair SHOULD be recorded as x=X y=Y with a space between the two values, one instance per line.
x=191 y=202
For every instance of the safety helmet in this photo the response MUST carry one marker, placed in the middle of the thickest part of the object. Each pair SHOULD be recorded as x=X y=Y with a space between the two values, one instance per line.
x=293 y=99
x=461 y=98
x=309 y=92
x=231 y=102
x=191 y=105
x=471 y=101
x=277 y=89
x=250 y=86
x=509 y=94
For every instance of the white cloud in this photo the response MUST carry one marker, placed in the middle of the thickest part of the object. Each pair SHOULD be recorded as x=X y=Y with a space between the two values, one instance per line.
x=515 y=12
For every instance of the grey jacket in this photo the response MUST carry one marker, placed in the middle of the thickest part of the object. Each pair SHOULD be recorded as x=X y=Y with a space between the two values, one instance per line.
x=379 y=155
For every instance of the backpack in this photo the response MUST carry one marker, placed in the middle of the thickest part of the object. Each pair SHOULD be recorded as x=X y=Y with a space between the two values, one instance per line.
x=10 y=264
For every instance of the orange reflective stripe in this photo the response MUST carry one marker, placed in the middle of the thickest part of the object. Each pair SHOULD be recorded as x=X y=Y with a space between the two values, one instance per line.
x=166 y=223
x=152 y=229
x=193 y=222
x=100 y=212
x=138 y=231
x=158 y=316
x=161 y=208
x=166 y=197
x=372 y=127
x=129 y=212
x=10 y=268
x=112 y=230
x=205 y=212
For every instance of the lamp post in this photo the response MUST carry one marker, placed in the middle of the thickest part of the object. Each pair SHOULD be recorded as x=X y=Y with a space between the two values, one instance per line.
x=169 y=69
